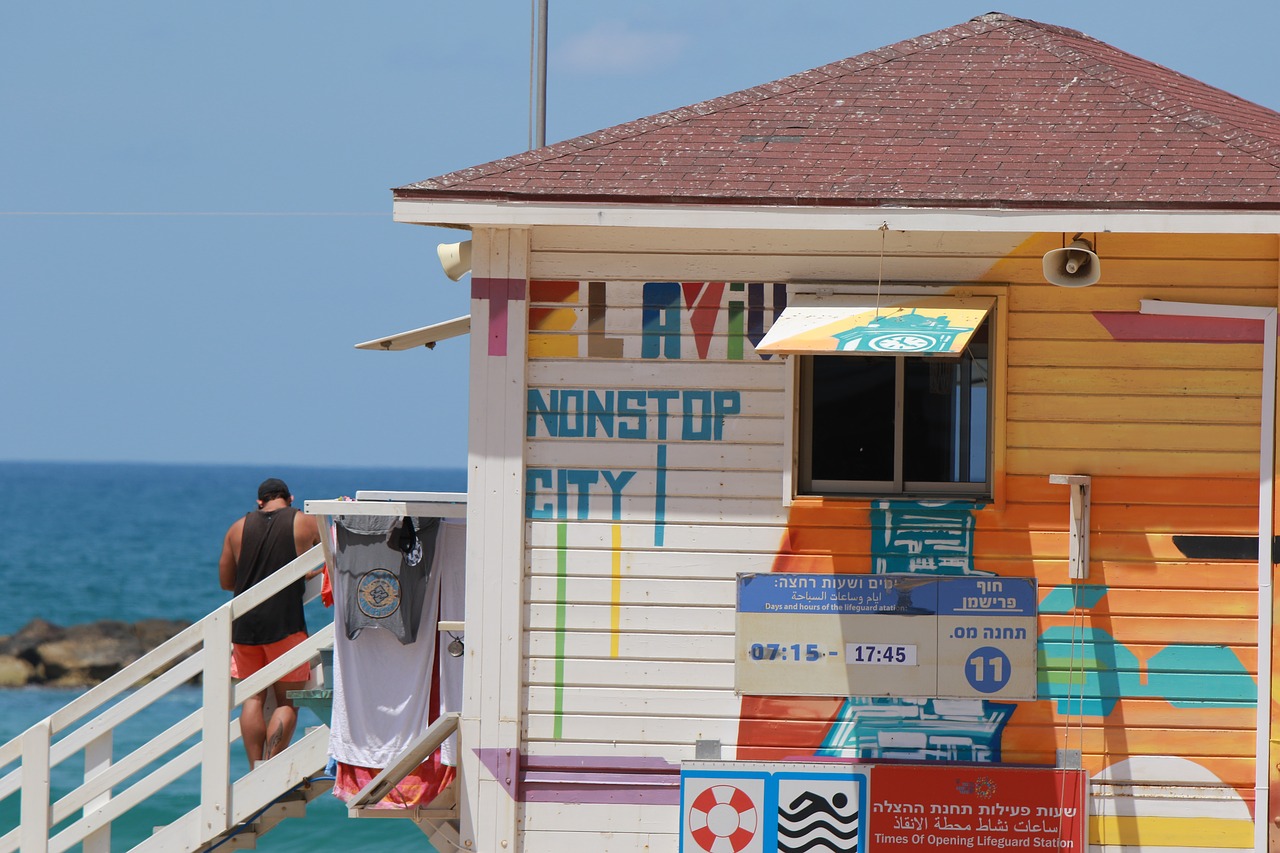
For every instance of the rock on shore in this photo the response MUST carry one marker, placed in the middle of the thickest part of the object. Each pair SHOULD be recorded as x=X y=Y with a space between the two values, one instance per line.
x=81 y=655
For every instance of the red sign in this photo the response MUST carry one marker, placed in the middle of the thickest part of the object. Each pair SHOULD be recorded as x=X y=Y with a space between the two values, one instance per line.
x=937 y=807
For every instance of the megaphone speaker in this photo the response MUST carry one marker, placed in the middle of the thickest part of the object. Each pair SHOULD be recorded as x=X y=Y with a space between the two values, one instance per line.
x=1074 y=266
x=455 y=258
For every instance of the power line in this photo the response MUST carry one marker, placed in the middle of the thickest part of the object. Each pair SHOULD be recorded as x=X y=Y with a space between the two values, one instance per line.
x=190 y=213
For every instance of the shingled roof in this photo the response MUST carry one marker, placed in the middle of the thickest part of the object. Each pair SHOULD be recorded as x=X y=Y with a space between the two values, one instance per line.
x=995 y=112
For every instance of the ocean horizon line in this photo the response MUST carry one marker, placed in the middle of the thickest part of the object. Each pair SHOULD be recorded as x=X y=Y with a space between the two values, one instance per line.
x=143 y=540
x=351 y=466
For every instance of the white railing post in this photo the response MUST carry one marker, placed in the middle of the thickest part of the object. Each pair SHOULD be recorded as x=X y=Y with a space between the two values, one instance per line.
x=215 y=771
x=97 y=760
x=86 y=812
x=34 y=832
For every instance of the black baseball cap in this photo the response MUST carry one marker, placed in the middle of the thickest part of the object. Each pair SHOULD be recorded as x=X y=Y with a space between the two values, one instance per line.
x=271 y=487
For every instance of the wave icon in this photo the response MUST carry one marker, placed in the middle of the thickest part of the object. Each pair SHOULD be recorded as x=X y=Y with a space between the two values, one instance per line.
x=812 y=821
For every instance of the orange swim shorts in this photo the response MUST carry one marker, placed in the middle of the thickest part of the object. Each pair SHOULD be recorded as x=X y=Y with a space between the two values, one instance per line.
x=246 y=660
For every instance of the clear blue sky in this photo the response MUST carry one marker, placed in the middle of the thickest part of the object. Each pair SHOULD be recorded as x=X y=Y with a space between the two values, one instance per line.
x=154 y=306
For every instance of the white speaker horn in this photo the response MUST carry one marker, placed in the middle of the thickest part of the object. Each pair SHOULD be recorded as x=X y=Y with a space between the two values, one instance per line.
x=1074 y=266
x=455 y=258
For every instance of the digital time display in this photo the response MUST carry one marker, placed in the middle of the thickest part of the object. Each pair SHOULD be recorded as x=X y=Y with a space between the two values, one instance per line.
x=880 y=654
x=808 y=652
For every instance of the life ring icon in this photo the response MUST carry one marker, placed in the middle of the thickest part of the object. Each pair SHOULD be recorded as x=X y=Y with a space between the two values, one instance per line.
x=722 y=819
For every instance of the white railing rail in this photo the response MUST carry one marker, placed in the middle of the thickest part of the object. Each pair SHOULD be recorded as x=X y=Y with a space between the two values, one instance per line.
x=204 y=647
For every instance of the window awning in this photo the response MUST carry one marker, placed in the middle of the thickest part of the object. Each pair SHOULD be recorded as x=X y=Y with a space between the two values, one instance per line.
x=926 y=325
x=427 y=336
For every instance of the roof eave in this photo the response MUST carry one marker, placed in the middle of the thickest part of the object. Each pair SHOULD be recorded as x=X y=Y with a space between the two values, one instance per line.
x=898 y=216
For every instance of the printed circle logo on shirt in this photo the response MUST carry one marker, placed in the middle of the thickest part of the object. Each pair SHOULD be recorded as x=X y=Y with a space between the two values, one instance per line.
x=378 y=594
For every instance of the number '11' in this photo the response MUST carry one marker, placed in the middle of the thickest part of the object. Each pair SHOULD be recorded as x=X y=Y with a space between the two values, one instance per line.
x=996 y=664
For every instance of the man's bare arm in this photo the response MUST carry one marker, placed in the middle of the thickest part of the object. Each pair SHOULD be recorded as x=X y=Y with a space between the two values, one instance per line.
x=230 y=556
x=306 y=535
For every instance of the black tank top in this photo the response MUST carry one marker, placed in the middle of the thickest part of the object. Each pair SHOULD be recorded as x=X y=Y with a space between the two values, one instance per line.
x=266 y=545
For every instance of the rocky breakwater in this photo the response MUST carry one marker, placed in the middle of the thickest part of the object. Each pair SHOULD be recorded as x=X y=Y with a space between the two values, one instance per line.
x=81 y=655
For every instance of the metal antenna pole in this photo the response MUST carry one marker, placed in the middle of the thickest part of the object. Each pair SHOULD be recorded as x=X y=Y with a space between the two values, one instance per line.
x=540 y=74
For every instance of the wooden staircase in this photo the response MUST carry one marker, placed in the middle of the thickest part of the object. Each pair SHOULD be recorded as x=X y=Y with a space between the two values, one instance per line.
x=83 y=732
x=228 y=814
x=291 y=804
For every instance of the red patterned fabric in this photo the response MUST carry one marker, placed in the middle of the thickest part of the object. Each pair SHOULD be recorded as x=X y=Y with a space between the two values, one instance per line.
x=419 y=788
x=326 y=587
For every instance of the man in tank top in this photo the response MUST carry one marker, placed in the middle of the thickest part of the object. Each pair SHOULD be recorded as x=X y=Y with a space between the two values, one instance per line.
x=255 y=547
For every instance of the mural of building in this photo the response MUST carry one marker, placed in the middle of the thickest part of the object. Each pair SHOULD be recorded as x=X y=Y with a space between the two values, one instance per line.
x=643 y=432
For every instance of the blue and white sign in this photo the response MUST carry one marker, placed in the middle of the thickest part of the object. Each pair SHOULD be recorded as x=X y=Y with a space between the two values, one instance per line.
x=900 y=635
x=751 y=807
x=841 y=594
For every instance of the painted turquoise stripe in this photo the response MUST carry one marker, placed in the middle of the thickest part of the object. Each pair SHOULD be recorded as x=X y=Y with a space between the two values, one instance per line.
x=1064 y=599
x=562 y=587
x=660 y=500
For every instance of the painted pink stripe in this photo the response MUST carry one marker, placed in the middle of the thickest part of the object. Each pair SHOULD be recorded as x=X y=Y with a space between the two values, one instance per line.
x=635 y=780
x=590 y=785
x=498 y=292
x=600 y=794
x=1133 y=326
x=612 y=764
x=584 y=779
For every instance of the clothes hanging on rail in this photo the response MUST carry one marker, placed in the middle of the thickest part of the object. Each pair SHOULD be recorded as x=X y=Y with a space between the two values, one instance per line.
x=382 y=563
x=386 y=692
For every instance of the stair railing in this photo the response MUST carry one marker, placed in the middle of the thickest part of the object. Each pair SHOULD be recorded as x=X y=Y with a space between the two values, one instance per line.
x=201 y=649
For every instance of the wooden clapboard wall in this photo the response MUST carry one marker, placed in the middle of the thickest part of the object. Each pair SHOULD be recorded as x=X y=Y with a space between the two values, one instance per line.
x=1169 y=431
x=635 y=534
x=631 y=587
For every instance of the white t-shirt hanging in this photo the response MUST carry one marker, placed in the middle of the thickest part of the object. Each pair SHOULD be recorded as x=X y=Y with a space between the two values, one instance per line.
x=382 y=687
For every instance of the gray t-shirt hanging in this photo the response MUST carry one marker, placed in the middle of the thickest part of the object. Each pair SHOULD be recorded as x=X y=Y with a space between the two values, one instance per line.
x=381 y=572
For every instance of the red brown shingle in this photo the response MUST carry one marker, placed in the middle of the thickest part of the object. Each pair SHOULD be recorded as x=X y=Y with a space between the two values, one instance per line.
x=998 y=111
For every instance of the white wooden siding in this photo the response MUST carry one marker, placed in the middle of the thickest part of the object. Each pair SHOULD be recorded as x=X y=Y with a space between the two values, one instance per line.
x=628 y=640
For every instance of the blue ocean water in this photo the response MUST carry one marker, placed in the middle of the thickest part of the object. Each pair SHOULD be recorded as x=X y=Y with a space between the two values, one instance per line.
x=89 y=541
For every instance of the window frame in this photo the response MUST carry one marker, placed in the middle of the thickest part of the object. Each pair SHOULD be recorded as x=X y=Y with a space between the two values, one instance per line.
x=797 y=480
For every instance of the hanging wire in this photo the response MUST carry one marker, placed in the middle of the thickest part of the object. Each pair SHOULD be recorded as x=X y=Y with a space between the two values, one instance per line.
x=1074 y=710
x=1078 y=629
x=180 y=213
x=884 y=229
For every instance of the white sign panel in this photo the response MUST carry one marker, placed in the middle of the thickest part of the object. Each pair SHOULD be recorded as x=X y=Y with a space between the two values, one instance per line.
x=886 y=635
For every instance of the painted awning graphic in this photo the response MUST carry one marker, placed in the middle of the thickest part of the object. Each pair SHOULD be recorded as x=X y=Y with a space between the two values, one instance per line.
x=929 y=325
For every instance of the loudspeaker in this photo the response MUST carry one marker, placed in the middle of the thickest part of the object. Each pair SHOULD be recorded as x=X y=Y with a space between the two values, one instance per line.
x=1074 y=266
x=455 y=258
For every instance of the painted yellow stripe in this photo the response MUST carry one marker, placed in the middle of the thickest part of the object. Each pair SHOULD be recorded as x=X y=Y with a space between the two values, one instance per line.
x=552 y=346
x=615 y=611
x=1170 y=832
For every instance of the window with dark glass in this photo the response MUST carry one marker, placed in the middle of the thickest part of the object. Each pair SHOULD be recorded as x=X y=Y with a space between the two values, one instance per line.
x=897 y=424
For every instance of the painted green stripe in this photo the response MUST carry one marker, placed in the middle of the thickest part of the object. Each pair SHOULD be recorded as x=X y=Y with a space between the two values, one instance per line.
x=562 y=587
x=737 y=326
